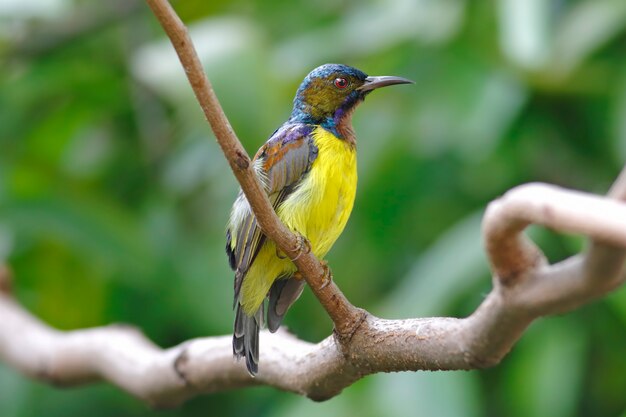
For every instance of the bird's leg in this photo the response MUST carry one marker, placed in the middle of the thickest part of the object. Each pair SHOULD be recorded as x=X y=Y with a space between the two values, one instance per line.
x=327 y=276
x=302 y=246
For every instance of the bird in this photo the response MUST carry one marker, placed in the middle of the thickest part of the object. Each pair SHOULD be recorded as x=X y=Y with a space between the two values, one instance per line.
x=308 y=169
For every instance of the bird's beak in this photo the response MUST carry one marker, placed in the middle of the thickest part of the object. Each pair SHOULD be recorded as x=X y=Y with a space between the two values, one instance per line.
x=372 y=83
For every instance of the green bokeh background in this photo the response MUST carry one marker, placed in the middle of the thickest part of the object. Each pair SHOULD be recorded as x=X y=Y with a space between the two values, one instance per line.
x=114 y=194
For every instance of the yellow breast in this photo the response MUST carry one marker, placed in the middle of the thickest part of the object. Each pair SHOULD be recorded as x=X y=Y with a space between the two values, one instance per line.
x=320 y=207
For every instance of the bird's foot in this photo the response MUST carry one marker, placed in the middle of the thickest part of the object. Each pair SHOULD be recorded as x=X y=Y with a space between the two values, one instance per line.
x=302 y=246
x=327 y=275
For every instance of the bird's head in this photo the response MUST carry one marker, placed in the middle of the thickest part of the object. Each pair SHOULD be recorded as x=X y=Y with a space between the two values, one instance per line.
x=330 y=92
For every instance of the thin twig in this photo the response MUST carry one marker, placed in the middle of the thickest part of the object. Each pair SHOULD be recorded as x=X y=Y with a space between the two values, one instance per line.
x=5 y=279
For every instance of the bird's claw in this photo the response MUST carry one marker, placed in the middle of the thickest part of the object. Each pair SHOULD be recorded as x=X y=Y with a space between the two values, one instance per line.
x=302 y=246
x=327 y=275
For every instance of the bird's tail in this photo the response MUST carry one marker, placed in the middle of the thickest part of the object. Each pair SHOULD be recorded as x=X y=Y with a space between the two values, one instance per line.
x=283 y=293
x=246 y=337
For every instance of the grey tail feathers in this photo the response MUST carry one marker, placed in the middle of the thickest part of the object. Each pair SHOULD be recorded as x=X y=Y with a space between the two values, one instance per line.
x=246 y=337
x=283 y=293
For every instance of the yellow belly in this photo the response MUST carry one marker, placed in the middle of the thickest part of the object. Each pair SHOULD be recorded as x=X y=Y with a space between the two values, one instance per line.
x=318 y=209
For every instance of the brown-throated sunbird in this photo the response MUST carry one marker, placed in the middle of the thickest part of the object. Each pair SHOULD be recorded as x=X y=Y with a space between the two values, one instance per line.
x=308 y=169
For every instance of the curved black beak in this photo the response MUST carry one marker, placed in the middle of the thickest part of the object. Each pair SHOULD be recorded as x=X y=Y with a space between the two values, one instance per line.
x=372 y=83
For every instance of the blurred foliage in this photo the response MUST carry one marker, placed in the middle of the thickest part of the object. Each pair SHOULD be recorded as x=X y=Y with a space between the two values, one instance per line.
x=114 y=195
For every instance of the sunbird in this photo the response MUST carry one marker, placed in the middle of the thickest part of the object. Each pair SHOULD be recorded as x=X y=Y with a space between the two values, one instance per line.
x=308 y=169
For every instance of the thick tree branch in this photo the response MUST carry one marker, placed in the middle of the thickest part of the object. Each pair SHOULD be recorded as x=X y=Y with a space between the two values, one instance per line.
x=525 y=288
x=512 y=253
x=122 y=356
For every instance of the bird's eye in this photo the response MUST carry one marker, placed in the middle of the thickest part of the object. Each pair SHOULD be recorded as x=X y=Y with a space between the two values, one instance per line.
x=341 y=83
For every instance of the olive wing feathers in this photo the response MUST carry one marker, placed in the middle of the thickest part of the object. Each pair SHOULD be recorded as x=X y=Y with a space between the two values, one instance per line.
x=281 y=164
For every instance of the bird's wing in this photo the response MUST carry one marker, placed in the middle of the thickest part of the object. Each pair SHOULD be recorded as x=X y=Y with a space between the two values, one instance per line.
x=280 y=164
